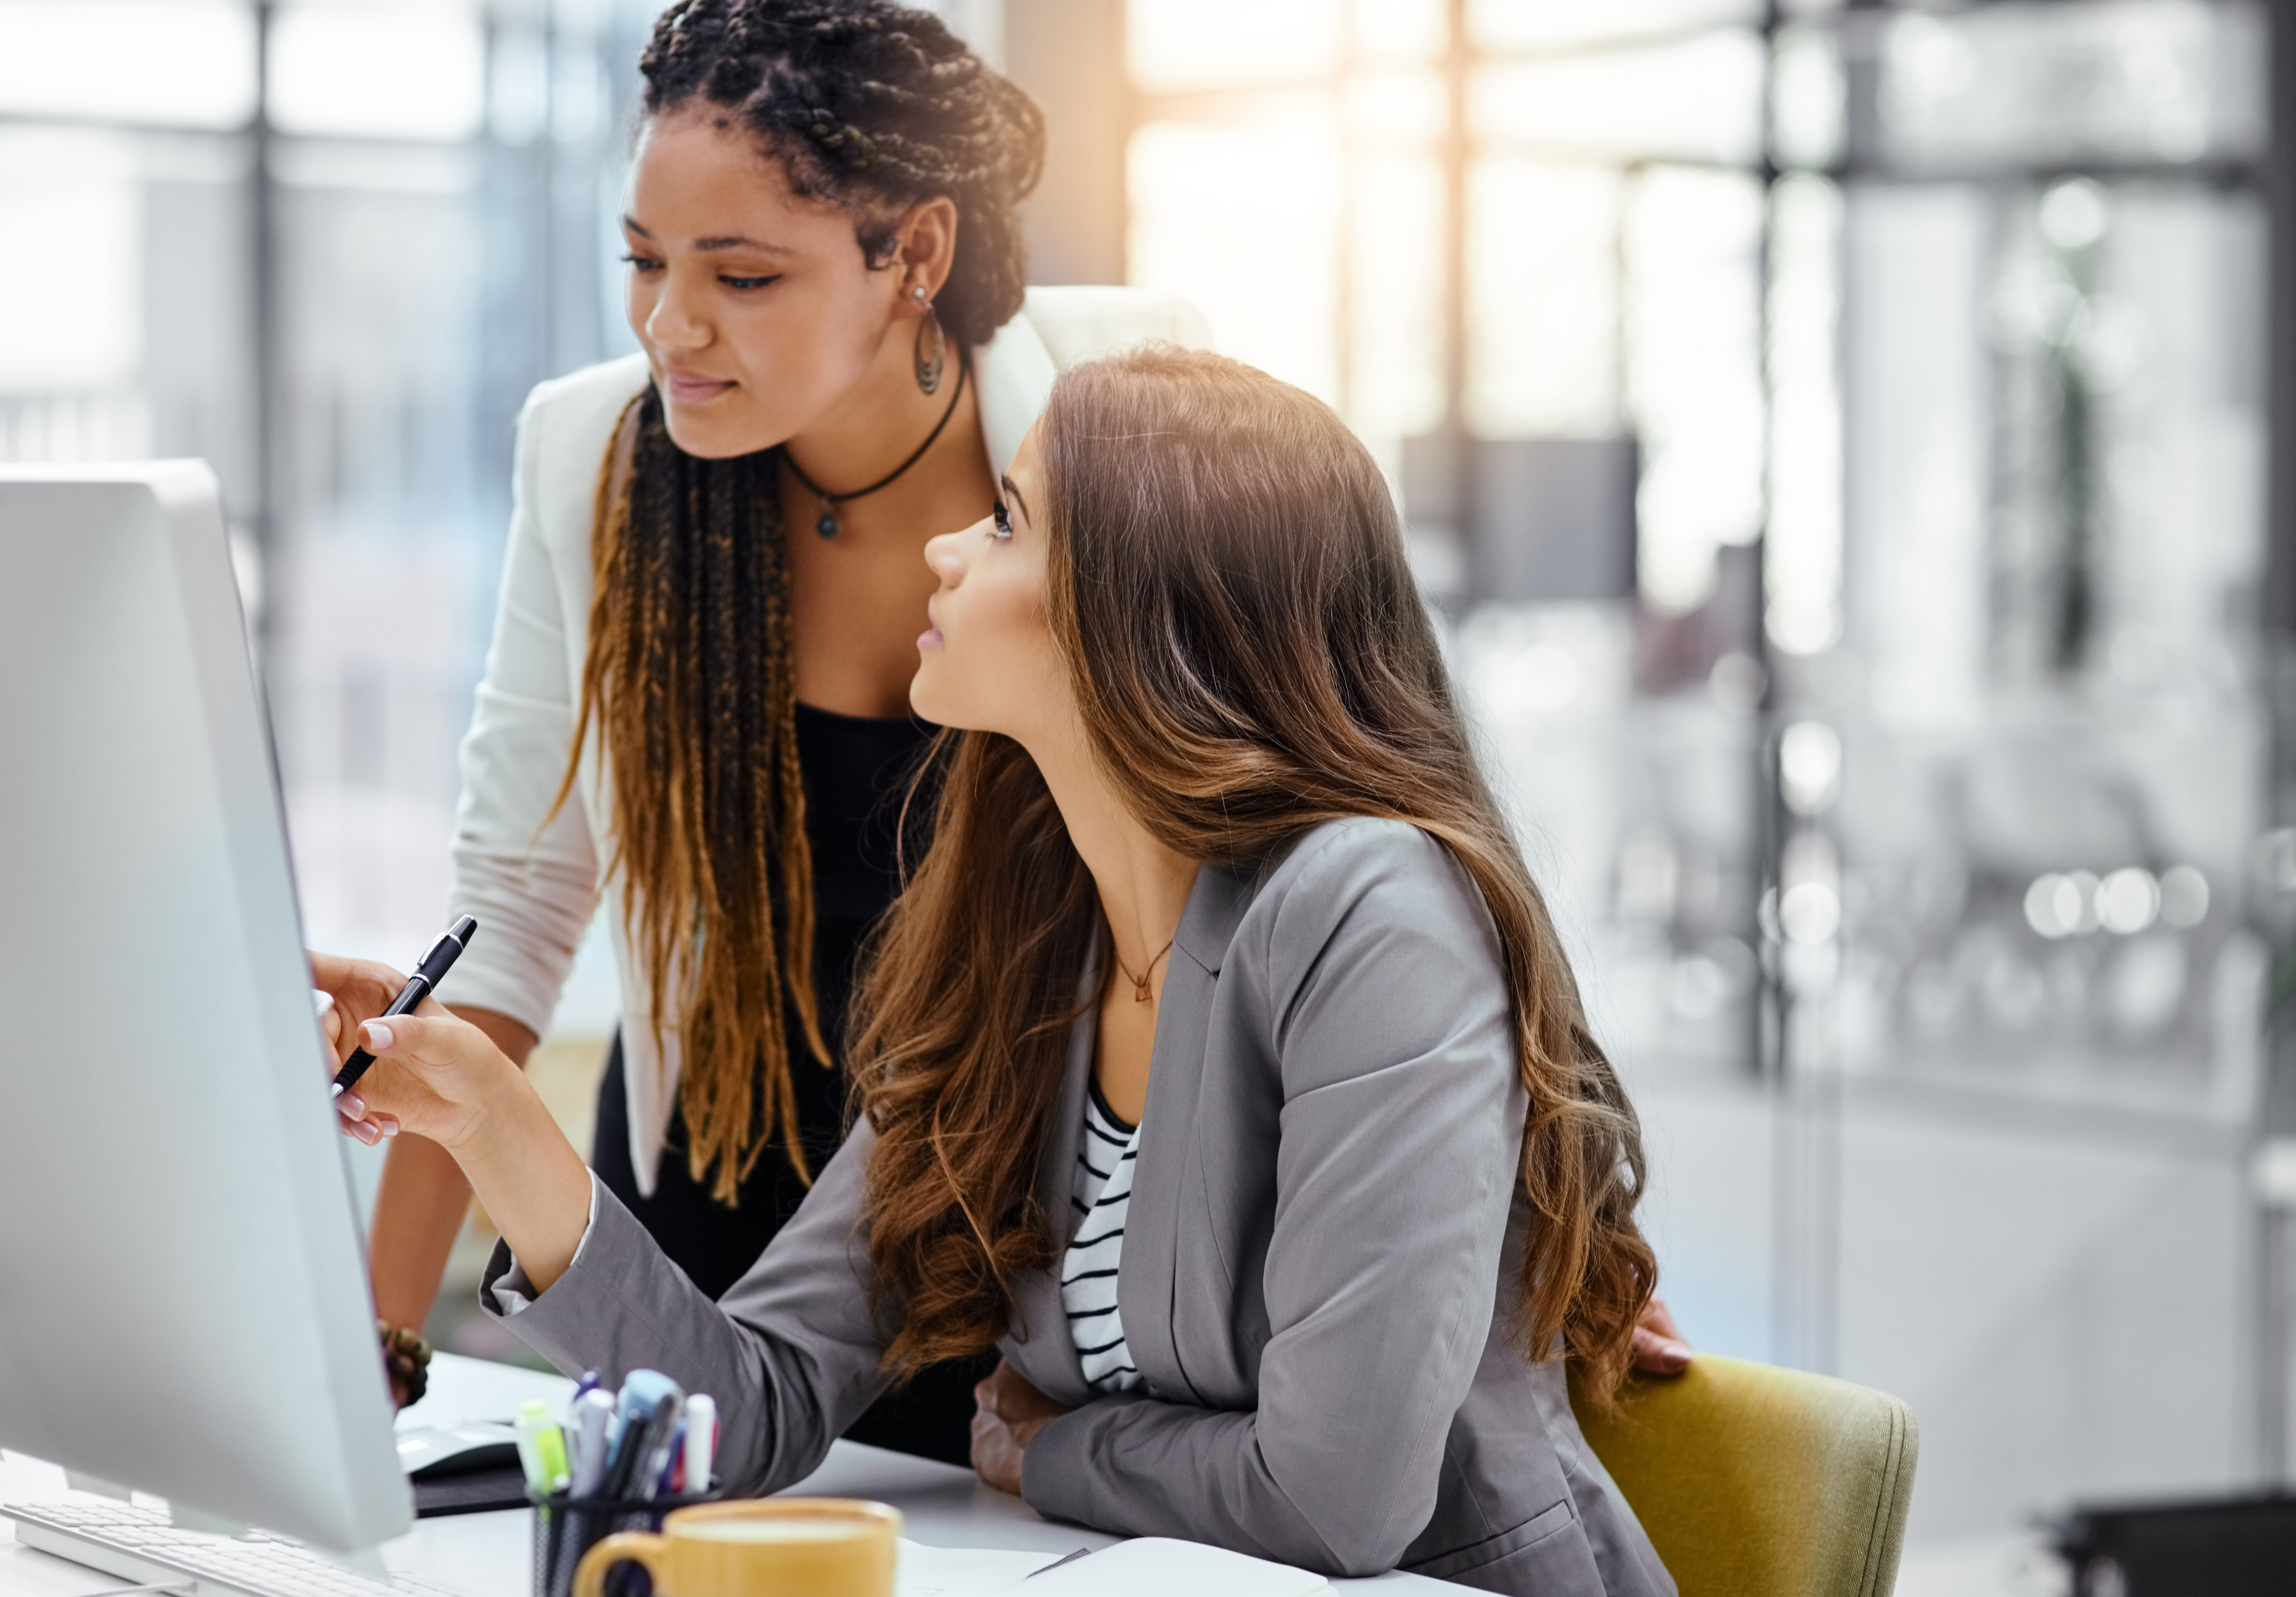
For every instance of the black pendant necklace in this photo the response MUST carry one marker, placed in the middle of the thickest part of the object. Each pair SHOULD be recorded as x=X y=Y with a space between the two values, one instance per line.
x=827 y=523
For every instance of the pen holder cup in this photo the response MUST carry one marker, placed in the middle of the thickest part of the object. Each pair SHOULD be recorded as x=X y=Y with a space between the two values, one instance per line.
x=567 y=1528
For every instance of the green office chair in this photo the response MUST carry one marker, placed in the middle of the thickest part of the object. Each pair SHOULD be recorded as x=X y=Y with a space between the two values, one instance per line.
x=1754 y=1481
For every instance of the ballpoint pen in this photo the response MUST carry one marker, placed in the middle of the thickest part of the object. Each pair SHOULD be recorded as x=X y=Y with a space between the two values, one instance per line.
x=1069 y=1557
x=428 y=974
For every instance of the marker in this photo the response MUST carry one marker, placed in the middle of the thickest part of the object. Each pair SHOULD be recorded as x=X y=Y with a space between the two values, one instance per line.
x=588 y=1384
x=700 y=1440
x=533 y=1416
x=550 y=1449
x=593 y=1416
x=650 y=1406
x=428 y=974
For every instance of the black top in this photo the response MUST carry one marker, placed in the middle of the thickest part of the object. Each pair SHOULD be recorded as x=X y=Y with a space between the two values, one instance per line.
x=855 y=771
x=1100 y=1102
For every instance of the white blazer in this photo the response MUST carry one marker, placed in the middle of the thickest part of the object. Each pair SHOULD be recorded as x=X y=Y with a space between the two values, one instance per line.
x=534 y=888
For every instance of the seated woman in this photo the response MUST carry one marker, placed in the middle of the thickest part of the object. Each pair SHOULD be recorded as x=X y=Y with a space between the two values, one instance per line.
x=1219 y=1064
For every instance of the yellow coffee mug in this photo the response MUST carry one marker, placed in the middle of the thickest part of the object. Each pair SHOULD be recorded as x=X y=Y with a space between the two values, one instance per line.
x=801 y=1546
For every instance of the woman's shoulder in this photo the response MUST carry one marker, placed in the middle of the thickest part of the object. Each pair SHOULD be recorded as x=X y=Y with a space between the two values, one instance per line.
x=1081 y=322
x=562 y=435
x=1368 y=930
x=1368 y=877
x=576 y=412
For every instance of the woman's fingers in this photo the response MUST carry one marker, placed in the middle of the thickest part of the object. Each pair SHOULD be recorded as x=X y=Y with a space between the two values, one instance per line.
x=355 y=989
x=331 y=1018
x=1656 y=1317
x=996 y=1458
x=1659 y=1347
x=448 y=1063
x=346 y=977
x=1011 y=1397
x=419 y=1038
x=433 y=1074
x=1009 y=1411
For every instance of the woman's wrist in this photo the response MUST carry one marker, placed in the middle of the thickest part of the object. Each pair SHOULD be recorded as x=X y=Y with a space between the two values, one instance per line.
x=534 y=1186
x=508 y=1128
x=496 y=1114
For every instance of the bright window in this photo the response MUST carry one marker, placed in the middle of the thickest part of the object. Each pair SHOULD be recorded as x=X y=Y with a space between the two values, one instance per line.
x=398 y=71
x=187 y=63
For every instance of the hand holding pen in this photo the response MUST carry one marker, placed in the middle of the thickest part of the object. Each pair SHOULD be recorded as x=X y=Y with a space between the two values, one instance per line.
x=429 y=972
x=444 y=1078
x=370 y=997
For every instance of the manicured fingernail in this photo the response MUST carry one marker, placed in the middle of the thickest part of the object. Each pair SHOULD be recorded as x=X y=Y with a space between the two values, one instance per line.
x=366 y=1132
x=321 y=999
x=350 y=1105
x=377 y=1034
x=386 y=1125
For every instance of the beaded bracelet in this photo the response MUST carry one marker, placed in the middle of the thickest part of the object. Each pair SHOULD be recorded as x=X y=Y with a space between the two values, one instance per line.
x=406 y=1359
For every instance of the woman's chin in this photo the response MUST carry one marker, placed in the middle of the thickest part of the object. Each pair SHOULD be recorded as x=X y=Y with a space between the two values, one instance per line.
x=709 y=433
x=928 y=702
x=921 y=692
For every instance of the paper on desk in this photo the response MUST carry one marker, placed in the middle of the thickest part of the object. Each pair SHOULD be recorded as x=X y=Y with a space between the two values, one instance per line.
x=922 y=1571
x=1155 y=1566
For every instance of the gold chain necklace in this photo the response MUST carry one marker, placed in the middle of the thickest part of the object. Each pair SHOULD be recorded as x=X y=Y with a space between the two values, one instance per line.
x=1140 y=994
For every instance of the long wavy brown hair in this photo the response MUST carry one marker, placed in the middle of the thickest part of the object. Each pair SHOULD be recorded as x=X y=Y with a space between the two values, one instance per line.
x=1250 y=658
x=688 y=678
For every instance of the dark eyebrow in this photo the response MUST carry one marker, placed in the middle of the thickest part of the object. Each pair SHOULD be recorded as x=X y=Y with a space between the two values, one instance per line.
x=1005 y=482
x=708 y=245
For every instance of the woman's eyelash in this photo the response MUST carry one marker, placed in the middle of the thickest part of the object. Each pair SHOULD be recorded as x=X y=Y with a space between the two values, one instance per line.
x=1003 y=517
x=647 y=263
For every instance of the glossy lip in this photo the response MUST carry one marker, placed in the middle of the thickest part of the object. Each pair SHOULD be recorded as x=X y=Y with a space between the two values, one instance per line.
x=929 y=637
x=686 y=389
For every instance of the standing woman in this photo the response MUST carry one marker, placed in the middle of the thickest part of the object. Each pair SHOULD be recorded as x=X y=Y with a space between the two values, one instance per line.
x=696 y=704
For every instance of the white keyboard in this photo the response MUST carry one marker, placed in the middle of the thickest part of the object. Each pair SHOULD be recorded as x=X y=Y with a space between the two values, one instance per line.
x=139 y=1546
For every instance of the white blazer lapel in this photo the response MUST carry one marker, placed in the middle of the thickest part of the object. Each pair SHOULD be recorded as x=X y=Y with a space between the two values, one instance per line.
x=1015 y=372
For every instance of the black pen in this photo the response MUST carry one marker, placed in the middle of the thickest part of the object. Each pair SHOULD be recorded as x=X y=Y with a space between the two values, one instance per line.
x=427 y=974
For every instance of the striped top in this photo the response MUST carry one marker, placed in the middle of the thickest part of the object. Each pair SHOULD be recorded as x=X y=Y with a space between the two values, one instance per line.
x=1106 y=1156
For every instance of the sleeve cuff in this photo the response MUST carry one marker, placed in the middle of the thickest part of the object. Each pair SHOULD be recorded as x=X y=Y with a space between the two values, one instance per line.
x=1058 y=1470
x=511 y=1293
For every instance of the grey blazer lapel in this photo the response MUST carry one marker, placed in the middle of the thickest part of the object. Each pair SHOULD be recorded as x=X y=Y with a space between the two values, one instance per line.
x=1038 y=1344
x=1167 y=1167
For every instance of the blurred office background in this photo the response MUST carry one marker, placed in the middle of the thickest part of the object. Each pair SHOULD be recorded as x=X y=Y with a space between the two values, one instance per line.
x=1851 y=446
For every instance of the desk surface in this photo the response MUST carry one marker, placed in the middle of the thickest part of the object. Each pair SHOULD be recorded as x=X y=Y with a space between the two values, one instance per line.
x=486 y=1555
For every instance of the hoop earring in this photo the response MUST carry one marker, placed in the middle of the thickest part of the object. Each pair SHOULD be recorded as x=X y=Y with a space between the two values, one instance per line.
x=928 y=369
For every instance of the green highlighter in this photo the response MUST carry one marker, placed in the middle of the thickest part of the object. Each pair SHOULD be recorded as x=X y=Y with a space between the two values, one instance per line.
x=541 y=1445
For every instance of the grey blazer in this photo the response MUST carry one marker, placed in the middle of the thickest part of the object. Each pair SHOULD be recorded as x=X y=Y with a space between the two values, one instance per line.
x=1320 y=1265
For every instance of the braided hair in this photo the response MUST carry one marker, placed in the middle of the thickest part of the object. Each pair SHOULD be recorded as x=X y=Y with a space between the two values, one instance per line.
x=873 y=107
x=689 y=677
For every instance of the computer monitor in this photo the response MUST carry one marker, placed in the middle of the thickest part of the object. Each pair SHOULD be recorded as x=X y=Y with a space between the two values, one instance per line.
x=182 y=1304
